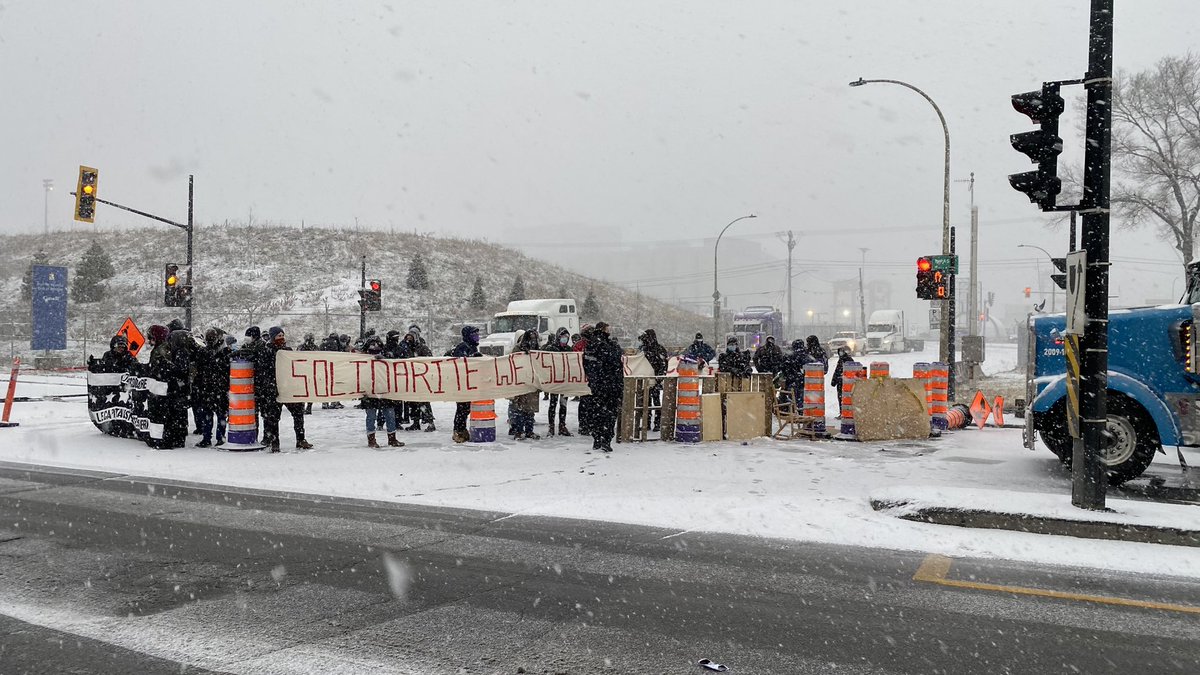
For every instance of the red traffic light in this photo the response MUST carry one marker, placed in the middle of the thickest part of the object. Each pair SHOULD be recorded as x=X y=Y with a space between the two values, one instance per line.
x=375 y=285
x=924 y=265
x=1028 y=291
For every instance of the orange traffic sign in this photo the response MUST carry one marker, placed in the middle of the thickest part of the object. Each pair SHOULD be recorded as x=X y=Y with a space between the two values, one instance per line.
x=133 y=336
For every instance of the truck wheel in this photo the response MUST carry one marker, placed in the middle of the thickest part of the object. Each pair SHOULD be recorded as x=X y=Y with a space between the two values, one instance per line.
x=1134 y=439
x=1052 y=428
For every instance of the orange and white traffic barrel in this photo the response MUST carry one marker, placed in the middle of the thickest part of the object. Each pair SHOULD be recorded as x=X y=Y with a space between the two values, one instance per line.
x=483 y=421
x=242 y=433
x=687 y=402
x=814 y=396
x=852 y=371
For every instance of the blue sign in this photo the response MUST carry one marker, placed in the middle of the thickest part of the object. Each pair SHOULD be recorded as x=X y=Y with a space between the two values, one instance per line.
x=49 y=307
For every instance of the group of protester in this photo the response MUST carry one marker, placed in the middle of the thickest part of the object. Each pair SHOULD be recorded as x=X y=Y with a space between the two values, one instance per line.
x=788 y=369
x=597 y=413
x=197 y=377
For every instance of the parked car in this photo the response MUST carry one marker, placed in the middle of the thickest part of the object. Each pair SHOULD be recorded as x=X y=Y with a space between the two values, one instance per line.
x=852 y=341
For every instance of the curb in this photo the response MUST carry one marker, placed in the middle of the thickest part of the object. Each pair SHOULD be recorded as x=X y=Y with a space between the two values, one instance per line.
x=1084 y=529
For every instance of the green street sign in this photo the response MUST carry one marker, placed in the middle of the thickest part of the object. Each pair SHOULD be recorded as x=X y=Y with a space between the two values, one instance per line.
x=947 y=264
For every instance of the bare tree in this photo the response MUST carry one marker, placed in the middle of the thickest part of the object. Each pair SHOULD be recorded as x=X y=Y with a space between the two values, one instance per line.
x=1156 y=149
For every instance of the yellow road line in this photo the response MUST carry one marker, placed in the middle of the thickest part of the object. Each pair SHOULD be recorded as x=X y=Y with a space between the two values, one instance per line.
x=935 y=568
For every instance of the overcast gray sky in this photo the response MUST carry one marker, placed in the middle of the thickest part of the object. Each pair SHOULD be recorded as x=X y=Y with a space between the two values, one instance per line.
x=658 y=119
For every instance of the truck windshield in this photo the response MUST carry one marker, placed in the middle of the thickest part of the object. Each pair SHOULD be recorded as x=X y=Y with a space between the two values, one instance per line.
x=508 y=324
x=881 y=328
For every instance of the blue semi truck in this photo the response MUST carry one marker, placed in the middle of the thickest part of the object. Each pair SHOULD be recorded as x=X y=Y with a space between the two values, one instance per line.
x=1153 y=383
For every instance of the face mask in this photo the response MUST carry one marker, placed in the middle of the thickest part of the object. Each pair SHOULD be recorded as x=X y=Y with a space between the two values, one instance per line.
x=564 y=340
x=731 y=349
x=473 y=338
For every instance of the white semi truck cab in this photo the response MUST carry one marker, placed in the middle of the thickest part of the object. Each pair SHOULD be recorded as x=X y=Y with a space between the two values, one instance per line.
x=887 y=331
x=545 y=316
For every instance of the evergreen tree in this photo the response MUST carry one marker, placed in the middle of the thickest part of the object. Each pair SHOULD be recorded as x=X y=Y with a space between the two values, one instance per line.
x=93 y=269
x=418 y=276
x=562 y=292
x=590 y=309
x=518 y=289
x=39 y=258
x=478 y=300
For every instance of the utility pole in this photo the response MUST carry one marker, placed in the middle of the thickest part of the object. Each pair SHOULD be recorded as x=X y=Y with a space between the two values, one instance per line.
x=862 y=296
x=973 y=303
x=791 y=244
x=1088 y=472
x=362 y=306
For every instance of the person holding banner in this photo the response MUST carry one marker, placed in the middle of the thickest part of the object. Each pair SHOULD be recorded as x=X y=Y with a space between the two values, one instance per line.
x=420 y=412
x=525 y=406
x=656 y=356
x=267 y=400
x=376 y=408
x=560 y=342
x=606 y=376
x=467 y=348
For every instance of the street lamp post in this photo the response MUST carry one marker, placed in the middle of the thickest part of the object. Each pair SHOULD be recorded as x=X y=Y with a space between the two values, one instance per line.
x=946 y=352
x=1053 y=306
x=716 y=293
x=47 y=186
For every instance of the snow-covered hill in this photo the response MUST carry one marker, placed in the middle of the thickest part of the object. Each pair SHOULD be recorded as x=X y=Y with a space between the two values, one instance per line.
x=306 y=279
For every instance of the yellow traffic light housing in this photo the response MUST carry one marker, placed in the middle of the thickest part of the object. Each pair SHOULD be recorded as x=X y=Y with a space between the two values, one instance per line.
x=85 y=194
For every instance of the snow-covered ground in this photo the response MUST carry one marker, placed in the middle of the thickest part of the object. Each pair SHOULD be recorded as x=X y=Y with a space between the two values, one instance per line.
x=812 y=491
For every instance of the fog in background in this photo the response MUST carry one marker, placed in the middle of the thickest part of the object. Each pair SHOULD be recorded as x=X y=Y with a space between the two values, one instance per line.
x=615 y=137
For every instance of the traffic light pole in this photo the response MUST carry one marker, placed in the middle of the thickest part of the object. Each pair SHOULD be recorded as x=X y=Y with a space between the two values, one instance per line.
x=362 y=306
x=950 y=320
x=187 y=311
x=1088 y=472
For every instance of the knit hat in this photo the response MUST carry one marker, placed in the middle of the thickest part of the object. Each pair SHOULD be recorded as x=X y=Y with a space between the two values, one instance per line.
x=158 y=334
x=274 y=332
x=699 y=336
x=175 y=324
x=731 y=341
x=254 y=332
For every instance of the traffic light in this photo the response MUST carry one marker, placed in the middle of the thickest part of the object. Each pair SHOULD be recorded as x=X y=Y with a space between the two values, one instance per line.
x=931 y=283
x=1042 y=146
x=85 y=194
x=1028 y=291
x=1060 y=279
x=371 y=297
x=925 y=290
x=176 y=292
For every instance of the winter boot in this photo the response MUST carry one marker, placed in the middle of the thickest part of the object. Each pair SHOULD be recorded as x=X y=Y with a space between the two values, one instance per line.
x=415 y=426
x=460 y=436
x=392 y=442
x=371 y=442
x=429 y=427
x=302 y=444
x=204 y=443
x=275 y=445
x=562 y=429
x=550 y=429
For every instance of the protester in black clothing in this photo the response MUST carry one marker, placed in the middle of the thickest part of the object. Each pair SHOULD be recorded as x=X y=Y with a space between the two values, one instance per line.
x=586 y=402
x=118 y=359
x=268 y=402
x=792 y=371
x=817 y=352
x=378 y=408
x=768 y=358
x=733 y=360
x=839 y=373
x=420 y=412
x=211 y=386
x=606 y=376
x=467 y=348
x=172 y=368
x=700 y=350
x=559 y=342
x=656 y=355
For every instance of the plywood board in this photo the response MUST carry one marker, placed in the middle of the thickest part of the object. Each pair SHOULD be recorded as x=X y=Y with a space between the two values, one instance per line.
x=711 y=424
x=890 y=409
x=744 y=415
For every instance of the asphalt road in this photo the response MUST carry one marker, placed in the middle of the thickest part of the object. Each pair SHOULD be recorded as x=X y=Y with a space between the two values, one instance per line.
x=102 y=573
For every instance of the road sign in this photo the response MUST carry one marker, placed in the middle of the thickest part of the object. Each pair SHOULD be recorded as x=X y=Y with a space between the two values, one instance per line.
x=133 y=336
x=49 y=307
x=1076 y=283
x=935 y=317
x=944 y=263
